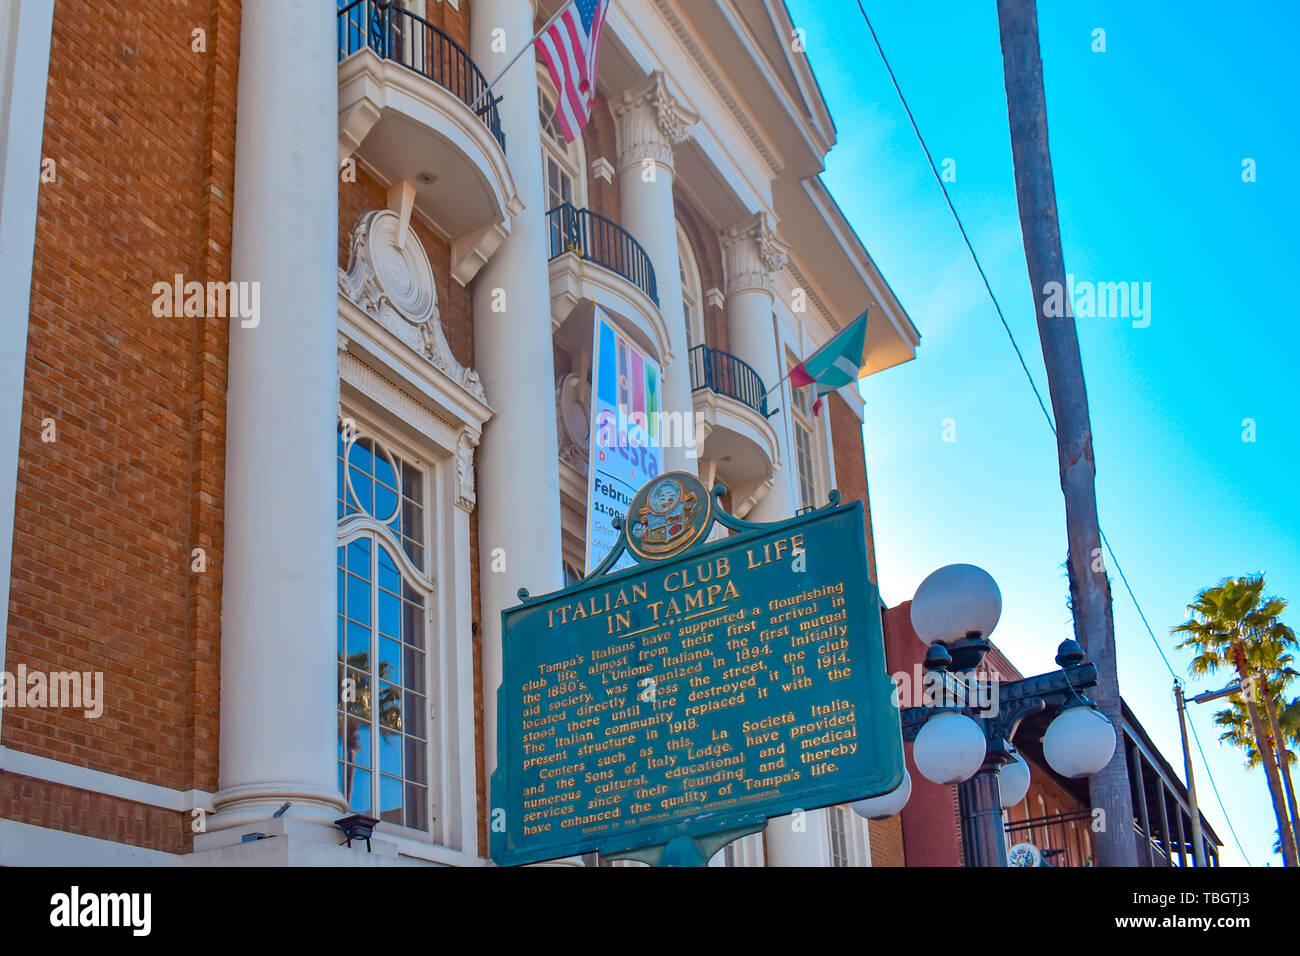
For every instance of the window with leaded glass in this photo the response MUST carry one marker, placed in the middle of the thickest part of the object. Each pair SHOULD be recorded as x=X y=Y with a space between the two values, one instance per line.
x=384 y=596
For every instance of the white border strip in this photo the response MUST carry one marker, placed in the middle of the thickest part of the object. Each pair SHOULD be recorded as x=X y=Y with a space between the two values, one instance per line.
x=24 y=73
x=22 y=844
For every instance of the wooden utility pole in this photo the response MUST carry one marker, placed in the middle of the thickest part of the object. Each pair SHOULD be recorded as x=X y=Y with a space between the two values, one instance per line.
x=1094 y=627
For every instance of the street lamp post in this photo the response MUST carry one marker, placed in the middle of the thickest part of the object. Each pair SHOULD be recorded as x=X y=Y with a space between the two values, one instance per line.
x=963 y=733
x=1198 y=842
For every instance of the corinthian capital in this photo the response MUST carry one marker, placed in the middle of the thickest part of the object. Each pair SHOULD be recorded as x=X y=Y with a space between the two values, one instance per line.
x=651 y=121
x=753 y=253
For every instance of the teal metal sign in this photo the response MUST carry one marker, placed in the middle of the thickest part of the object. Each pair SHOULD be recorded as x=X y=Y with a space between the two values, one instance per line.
x=662 y=711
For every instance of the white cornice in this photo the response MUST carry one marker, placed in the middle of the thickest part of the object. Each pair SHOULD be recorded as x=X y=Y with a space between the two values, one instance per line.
x=719 y=85
x=802 y=282
x=865 y=266
x=755 y=49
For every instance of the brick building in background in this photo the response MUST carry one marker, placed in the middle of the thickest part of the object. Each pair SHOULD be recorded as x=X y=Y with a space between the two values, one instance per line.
x=181 y=509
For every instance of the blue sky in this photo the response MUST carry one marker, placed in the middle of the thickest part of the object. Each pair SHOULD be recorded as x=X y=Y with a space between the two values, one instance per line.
x=1147 y=140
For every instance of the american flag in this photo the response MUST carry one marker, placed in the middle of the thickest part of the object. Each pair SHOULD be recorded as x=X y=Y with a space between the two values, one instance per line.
x=570 y=48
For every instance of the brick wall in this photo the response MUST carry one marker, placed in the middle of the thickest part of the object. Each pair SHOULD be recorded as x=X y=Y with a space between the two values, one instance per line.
x=450 y=20
x=930 y=822
x=851 y=465
x=598 y=141
x=886 y=842
x=141 y=128
x=708 y=256
x=40 y=803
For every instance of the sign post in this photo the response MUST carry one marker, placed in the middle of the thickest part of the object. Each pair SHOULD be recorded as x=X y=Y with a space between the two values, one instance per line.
x=664 y=710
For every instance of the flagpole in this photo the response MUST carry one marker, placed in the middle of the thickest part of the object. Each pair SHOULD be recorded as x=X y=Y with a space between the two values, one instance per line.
x=778 y=384
x=515 y=59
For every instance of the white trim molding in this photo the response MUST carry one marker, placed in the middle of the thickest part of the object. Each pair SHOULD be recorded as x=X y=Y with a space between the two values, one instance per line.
x=602 y=168
x=26 y=27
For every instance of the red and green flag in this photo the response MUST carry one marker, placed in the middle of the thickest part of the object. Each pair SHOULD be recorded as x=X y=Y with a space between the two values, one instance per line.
x=835 y=364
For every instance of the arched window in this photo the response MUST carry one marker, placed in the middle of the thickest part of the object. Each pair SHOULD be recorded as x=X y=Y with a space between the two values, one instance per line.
x=692 y=295
x=562 y=162
x=384 y=599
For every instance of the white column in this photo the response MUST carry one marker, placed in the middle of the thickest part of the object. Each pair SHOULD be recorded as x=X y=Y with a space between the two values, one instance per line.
x=518 y=460
x=278 y=679
x=798 y=840
x=25 y=29
x=651 y=121
x=752 y=253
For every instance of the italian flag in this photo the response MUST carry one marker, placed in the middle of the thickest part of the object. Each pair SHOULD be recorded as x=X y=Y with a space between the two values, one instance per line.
x=835 y=364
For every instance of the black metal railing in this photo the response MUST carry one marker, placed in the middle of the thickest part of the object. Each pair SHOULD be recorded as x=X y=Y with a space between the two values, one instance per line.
x=727 y=375
x=1059 y=837
x=399 y=35
x=604 y=242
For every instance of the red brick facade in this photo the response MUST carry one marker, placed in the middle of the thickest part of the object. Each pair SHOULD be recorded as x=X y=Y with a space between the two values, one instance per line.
x=851 y=466
x=708 y=256
x=930 y=821
x=141 y=127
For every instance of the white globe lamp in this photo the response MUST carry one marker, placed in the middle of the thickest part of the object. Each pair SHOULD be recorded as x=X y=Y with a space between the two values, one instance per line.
x=1079 y=742
x=954 y=601
x=885 y=805
x=1013 y=781
x=949 y=748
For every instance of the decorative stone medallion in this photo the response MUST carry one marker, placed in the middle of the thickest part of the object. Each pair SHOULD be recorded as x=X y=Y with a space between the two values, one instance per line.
x=389 y=278
x=573 y=419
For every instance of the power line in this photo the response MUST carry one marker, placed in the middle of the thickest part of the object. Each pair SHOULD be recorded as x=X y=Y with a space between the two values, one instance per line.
x=1032 y=384
x=953 y=209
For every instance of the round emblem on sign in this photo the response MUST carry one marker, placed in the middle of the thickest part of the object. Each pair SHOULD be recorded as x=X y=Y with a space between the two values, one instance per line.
x=1024 y=854
x=667 y=515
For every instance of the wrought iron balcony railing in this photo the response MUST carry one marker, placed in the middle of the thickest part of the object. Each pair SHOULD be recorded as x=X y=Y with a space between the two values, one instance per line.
x=727 y=375
x=604 y=242
x=399 y=35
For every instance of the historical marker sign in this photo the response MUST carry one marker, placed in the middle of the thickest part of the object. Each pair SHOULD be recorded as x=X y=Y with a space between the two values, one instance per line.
x=702 y=691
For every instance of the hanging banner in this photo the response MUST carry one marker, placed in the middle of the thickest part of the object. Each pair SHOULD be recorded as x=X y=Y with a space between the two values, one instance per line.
x=625 y=435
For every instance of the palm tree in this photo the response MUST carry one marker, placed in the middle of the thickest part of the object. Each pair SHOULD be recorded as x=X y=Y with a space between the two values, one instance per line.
x=1235 y=724
x=1223 y=623
x=1273 y=666
x=1268 y=655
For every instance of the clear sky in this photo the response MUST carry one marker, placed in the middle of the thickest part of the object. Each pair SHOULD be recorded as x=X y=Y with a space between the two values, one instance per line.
x=1148 y=140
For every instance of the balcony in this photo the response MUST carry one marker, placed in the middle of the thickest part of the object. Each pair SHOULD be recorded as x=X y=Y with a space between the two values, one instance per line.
x=732 y=424
x=597 y=239
x=412 y=109
x=595 y=262
x=396 y=34
x=727 y=375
